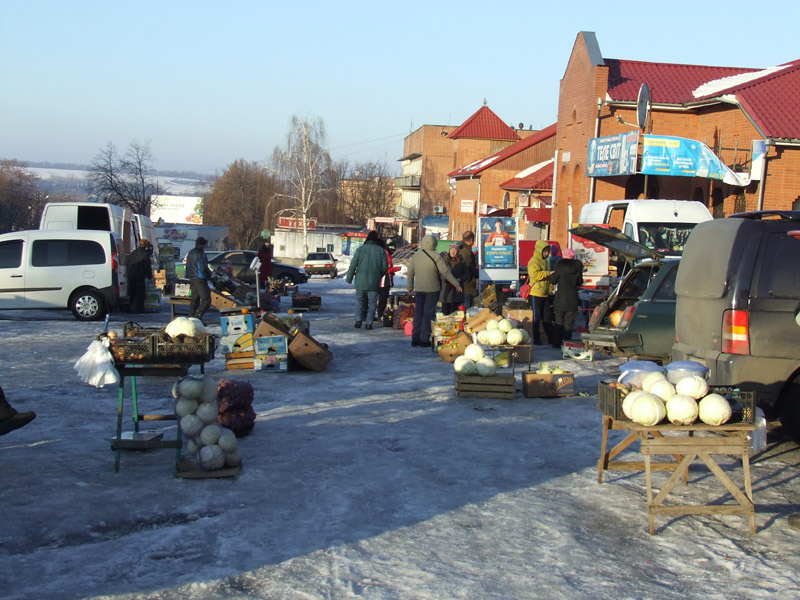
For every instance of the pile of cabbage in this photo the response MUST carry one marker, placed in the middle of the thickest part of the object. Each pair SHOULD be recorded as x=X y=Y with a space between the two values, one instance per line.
x=207 y=443
x=502 y=332
x=681 y=403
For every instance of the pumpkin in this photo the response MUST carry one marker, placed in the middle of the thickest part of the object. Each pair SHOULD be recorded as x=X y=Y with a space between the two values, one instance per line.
x=615 y=317
x=692 y=385
x=486 y=367
x=663 y=389
x=682 y=409
x=497 y=337
x=474 y=352
x=651 y=378
x=464 y=365
x=514 y=337
x=714 y=410
x=505 y=325
x=648 y=409
x=212 y=457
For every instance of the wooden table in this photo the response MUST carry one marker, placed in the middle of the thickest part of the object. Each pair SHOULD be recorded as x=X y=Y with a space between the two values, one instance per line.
x=732 y=440
x=178 y=301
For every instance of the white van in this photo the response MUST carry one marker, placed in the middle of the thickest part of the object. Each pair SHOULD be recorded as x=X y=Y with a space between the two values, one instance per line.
x=92 y=215
x=78 y=270
x=143 y=228
x=661 y=225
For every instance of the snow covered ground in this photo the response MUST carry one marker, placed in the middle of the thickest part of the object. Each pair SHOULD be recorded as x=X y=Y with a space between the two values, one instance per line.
x=371 y=479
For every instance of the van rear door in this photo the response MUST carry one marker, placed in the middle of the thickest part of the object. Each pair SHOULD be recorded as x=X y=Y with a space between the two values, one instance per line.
x=12 y=271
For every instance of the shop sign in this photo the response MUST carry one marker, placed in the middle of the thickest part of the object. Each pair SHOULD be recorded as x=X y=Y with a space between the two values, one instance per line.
x=613 y=155
x=468 y=206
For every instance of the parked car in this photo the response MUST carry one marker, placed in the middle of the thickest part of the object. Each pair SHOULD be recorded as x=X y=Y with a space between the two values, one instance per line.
x=80 y=270
x=240 y=261
x=738 y=291
x=320 y=263
x=637 y=320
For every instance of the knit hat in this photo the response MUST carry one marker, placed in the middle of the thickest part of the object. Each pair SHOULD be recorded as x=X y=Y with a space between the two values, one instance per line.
x=568 y=253
x=455 y=245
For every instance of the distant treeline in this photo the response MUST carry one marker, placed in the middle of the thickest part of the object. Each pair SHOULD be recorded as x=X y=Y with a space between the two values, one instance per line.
x=76 y=167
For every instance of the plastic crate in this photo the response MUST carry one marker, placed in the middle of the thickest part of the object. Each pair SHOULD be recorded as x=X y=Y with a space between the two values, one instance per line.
x=127 y=350
x=173 y=352
x=134 y=329
x=743 y=403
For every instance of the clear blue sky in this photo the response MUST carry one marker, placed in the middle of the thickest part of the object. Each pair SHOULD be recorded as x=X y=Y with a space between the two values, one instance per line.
x=210 y=82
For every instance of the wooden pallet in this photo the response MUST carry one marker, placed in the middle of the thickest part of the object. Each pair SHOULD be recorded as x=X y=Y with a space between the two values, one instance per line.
x=496 y=386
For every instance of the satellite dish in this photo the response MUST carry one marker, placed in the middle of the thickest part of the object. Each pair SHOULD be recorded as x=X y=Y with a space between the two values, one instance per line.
x=643 y=106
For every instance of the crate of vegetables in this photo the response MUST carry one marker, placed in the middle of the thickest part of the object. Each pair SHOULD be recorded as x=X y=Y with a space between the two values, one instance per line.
x=131 y=349
x=184 y=349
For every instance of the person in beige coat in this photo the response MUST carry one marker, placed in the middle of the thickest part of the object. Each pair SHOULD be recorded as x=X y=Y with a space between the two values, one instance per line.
x=426 y=272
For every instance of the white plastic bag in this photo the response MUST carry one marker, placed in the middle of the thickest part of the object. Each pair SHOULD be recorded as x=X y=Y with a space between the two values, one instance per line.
x=758 y=437
x=96 y=366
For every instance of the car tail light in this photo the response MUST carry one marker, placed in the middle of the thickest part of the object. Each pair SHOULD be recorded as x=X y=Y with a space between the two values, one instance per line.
x=735 y=332
x=115 y=270
x=627 y=315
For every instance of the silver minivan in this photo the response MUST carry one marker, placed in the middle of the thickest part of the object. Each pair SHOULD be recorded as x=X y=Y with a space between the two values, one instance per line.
x=78 y=270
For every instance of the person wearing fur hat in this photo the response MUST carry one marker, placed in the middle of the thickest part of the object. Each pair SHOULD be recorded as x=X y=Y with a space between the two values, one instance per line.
x=139 y=268
x=568 y=277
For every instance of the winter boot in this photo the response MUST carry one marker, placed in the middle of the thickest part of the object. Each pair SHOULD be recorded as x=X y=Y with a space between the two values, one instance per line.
x=537 y=336
x=358 y=324
x=10 y=419
x=557 y=335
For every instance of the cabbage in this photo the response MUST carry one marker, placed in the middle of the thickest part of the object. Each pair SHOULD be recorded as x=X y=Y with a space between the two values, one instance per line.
x=209 y=393
x=212 y=457
x=505 y=325
x=474 y=352
x=464 y=365
x=184 y=407
x=497 y=337
x=663 y=389
x=692 y=385
x=191 y=425
x=486 y=367
x=514 y=337
x=233 y=459
x=682 y=409
x=227 y=440
x=210 y=434
x=190 y=387
x=648 y=409
x=181 y=325
x=492 y=324
x=714 y=410
x=208 y=412
x=483 y=336
x=652 y=378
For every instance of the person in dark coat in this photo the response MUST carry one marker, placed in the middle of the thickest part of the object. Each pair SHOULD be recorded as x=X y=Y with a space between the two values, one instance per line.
x=139 y=268
x=568 y=276
x=451 y=298
x=368 y=266
x=199 y=276
x=387 y=281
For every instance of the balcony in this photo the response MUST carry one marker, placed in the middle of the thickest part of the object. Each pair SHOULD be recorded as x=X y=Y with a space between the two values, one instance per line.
x=408 y=182
x=409 y=213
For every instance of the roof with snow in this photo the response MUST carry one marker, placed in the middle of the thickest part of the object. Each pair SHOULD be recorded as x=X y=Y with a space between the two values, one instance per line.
x=484 y=125
x=770 y=97
x=498 y=157
x=536 y=177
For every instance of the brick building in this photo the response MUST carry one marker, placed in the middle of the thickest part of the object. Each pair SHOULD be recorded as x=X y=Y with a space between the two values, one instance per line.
x=726 y=109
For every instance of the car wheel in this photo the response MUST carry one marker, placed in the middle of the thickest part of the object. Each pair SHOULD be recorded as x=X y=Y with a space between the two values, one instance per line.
x=87 y=305
x=790 y=410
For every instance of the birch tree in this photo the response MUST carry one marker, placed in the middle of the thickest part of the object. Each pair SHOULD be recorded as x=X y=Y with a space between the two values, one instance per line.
x=304 y=167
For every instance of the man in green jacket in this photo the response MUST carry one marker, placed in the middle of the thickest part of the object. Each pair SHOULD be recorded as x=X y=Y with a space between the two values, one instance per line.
x=426 y=272
x=368 y=266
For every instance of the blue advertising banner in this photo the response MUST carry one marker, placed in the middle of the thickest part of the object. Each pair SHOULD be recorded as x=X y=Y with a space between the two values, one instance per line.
x=613 y=155
x=498 y=242
x=669 y=155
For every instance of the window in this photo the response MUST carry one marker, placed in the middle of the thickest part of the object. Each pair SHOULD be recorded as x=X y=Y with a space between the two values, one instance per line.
x=666 y=291
x=779 y=277
x=63 y=253
x=11 y=254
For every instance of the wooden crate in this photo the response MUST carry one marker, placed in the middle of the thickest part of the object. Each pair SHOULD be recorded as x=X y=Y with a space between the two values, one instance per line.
x=496 y=386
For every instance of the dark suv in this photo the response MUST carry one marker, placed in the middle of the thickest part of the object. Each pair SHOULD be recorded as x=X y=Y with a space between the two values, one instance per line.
x=638 y=318
x=738 y=290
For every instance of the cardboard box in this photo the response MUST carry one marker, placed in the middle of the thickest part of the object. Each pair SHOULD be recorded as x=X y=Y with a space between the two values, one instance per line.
x=478 y=322
x=309 y=353
x=272 y=345
x=240 y=323
x=454 y=347
x=523 y=316
x=183 y=290
x=240 y=363
x=219 y=301
x=270 y=325
x=276 y=363
x=540 y=385
x=576 y=351
x=236 y=342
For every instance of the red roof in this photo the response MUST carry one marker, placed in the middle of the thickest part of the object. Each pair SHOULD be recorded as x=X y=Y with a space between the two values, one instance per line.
x=498 y=157
x=770 y=97
x=668 y=83
x=484 y=125
x=538 y=179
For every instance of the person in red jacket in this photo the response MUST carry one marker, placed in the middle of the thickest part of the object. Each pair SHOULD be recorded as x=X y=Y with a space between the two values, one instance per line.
x=265 y=256
x=387 y=281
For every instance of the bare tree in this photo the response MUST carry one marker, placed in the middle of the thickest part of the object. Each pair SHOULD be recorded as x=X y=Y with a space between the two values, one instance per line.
x=305 y=168
x=126 y=180
x=367 y=190
x=20 y=202
x=242 y=199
